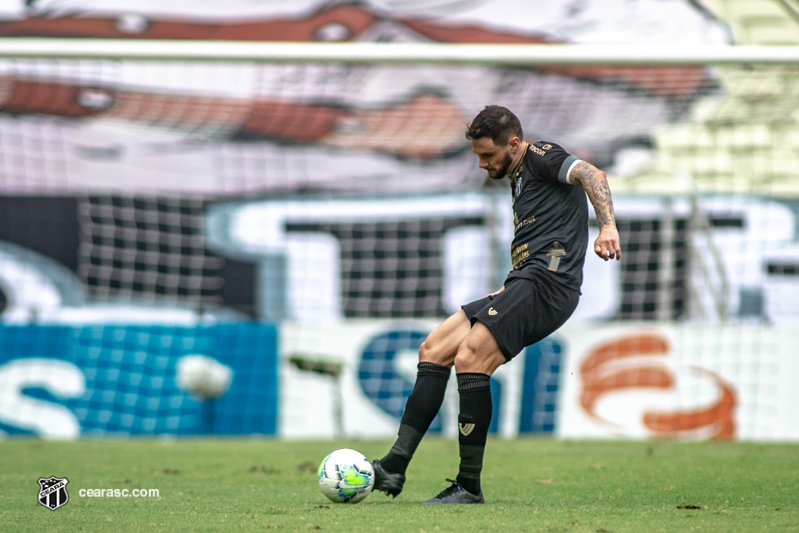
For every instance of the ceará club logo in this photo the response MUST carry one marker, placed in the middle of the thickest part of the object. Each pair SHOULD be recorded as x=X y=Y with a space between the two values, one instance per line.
x=53 y=492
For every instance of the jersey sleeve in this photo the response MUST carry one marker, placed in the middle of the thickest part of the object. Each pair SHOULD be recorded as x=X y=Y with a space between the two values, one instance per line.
x=550 y=161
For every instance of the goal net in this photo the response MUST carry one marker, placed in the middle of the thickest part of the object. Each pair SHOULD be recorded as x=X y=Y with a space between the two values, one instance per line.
x=148 y=154
x=167 y=182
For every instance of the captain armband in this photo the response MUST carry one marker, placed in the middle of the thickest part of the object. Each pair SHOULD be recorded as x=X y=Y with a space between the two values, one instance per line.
x=566 y=169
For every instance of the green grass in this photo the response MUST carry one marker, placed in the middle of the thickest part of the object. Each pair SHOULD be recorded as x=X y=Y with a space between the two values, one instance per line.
x=530 y=485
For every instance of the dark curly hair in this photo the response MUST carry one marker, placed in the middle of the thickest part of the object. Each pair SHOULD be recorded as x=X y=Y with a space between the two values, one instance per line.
x=496 y=122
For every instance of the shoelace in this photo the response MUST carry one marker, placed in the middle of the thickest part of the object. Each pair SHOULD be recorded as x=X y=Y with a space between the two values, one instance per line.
x=455 y=487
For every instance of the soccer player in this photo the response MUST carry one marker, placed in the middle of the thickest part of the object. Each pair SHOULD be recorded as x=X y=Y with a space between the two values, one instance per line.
x=548 y=187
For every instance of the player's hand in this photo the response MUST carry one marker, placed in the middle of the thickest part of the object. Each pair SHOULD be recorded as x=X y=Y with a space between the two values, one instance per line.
x=502 y=289
x=607 y=245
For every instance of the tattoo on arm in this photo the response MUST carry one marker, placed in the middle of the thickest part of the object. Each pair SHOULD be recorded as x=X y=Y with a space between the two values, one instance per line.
x=596 y=187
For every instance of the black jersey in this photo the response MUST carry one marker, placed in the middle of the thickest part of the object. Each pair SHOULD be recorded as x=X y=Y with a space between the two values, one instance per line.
x=550 y=215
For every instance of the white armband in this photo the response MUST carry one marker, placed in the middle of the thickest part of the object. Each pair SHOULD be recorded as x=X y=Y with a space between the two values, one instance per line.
x=566 y=169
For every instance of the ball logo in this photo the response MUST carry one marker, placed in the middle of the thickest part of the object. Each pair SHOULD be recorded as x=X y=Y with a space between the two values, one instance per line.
x=638 y=362
x=53 y=492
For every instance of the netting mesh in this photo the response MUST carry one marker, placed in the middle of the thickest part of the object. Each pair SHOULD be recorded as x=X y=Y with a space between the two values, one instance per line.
x=147 y=249
x=311 y=193
x=147 y=148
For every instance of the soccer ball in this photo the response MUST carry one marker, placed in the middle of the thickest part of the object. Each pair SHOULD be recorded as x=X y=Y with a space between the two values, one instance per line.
x=346 y=476
x=203 y=376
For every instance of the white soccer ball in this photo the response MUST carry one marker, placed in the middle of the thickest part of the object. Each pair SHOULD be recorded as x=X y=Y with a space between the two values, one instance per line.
x=346 y=476
x=203 y=376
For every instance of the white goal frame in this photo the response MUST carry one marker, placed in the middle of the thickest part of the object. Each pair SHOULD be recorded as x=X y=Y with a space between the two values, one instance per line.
x=395 y=53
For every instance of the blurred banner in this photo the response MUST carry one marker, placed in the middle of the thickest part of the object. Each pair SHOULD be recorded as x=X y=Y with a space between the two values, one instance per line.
x=352 y=378
x=213 y=129
x=66 y=382
x=679 y=382
x=608 y=381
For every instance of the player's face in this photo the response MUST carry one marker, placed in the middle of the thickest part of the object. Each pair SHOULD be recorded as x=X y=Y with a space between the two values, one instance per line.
x=496 y=160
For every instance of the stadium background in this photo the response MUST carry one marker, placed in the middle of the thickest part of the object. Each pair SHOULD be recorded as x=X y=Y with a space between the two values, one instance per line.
x=308 y=224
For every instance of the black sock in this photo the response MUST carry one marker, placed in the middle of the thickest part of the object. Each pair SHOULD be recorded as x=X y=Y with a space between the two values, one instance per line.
x=473 y=422
x=420 y=410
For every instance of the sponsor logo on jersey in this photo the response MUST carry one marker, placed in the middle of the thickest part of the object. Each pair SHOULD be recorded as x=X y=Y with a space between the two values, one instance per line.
x=519 y=254
x=540 y=150
x=523 y=223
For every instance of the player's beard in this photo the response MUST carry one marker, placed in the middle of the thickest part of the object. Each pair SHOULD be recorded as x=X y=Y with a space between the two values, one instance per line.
x=502 y=170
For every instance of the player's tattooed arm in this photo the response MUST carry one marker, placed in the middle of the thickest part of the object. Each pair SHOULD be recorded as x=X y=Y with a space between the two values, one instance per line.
x=595 y=184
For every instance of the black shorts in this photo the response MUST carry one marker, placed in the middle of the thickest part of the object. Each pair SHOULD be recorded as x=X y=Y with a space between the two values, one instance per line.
x=528 y=310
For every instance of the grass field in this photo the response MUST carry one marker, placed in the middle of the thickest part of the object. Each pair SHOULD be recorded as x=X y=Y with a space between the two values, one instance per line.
x=530 y=485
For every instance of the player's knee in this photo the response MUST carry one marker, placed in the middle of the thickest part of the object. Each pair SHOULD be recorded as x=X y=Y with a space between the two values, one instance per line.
x=425 y=353
x=429 y=354
x=465 y=359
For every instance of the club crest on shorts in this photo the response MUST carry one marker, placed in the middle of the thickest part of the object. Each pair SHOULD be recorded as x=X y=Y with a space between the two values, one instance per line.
x=53 y=492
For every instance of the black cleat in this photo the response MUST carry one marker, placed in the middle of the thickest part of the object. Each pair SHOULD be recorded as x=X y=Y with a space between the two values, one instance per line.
x=387 y=482
x=455 y=493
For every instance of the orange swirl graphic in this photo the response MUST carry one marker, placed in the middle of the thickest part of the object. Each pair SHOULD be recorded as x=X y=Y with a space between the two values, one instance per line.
x=628 y=363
